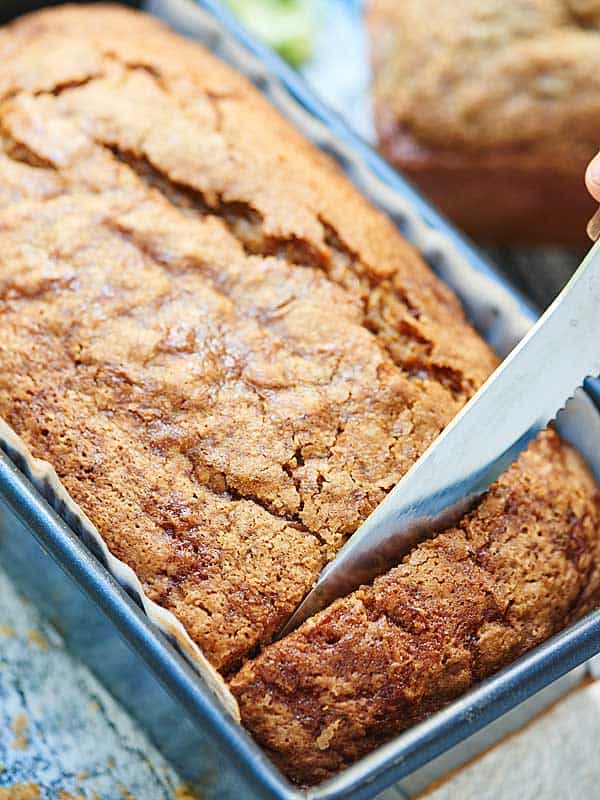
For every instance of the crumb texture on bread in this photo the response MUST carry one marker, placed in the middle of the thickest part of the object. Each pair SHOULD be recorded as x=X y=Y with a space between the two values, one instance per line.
x=226 y=353
x=523 y=564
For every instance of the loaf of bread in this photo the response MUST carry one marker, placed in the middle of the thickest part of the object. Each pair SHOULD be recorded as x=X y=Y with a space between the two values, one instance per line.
x=230 y=357
x=492 y=109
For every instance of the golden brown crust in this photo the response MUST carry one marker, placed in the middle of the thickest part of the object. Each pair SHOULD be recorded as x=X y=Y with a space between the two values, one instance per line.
x=491 y=108
x=230 y=358
x=516 y=570
x=228 y=355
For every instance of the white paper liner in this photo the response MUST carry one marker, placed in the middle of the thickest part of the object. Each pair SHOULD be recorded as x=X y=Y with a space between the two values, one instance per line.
x=43 y=476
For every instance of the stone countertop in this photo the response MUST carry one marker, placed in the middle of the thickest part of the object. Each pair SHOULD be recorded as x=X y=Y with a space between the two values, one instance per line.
x=62 y=736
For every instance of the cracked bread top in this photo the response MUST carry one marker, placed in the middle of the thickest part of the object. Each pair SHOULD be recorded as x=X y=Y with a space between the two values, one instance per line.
x=230 y=357
x=227 y=354
x=519 y=567
x=470 y=76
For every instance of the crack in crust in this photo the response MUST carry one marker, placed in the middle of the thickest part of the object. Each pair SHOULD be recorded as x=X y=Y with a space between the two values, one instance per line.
x=339 y=263
x=227 y=304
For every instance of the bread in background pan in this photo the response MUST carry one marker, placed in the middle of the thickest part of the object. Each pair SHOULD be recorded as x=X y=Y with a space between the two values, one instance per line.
x=492 y=109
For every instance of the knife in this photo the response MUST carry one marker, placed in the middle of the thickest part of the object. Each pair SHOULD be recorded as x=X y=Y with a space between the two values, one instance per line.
x=519 y=399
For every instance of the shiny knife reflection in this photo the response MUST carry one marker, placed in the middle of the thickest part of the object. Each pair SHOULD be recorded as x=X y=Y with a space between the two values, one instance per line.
x=521 y=397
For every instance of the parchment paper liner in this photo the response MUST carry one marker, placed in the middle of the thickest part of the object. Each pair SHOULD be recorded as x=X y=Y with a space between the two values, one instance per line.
x=43 y=476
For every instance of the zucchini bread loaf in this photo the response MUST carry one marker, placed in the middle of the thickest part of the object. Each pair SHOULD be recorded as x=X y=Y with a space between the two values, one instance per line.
x=492 y=109
x=230 y=357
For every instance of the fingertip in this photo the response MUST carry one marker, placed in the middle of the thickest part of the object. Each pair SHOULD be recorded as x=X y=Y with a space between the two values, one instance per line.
x=592 y=177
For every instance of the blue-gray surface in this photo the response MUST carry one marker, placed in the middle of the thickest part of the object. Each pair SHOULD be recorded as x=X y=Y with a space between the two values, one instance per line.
x=59 y=729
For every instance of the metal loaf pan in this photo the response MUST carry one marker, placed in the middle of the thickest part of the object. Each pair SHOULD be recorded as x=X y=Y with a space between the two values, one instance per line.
x=103 y=623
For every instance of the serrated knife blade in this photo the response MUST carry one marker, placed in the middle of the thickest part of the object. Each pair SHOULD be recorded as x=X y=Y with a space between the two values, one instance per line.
x=519 y=399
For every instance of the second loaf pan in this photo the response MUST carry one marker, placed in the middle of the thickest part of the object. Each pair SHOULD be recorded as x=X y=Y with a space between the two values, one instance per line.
x=499 y=314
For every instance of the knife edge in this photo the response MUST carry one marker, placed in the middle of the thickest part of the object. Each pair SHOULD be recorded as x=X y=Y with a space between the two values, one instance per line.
x=553 y=359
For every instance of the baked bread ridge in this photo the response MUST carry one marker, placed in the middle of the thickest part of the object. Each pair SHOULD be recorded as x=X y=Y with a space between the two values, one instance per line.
x=228 y=356
x=226 y=353
x=490 y=109
x=517 y=569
